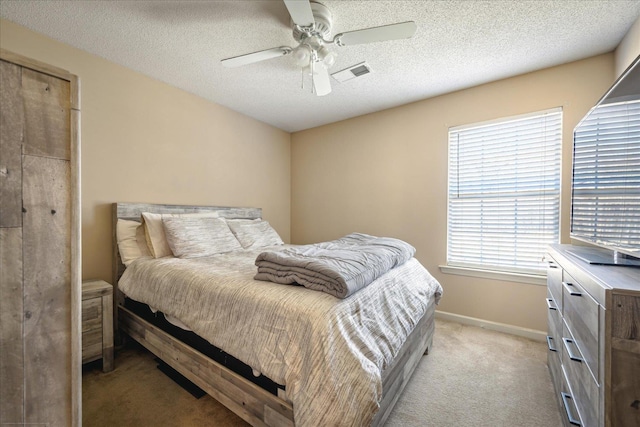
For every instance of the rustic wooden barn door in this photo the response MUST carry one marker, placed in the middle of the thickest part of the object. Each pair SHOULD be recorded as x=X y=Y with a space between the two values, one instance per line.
x=40 y=368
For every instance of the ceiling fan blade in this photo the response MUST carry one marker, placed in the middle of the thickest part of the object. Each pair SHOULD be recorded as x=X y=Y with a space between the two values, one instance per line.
x=402 y=30
x=300 y=11
x=250 y=58
x=321 y=80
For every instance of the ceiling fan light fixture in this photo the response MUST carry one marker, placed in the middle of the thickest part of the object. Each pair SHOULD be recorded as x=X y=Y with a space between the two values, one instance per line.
x=302 y=55
x=327 y=56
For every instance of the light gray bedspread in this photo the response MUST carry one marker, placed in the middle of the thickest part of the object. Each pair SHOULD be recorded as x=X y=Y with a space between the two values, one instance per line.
x=339 y=267
x=328 y=352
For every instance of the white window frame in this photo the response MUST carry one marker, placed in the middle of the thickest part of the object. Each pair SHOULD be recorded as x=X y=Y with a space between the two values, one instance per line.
x=498 y=264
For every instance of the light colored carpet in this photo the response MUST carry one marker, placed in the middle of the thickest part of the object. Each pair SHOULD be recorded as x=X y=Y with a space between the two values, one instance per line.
x=471 y=377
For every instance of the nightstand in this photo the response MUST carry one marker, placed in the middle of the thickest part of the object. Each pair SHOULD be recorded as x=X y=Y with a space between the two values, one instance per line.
x=97 y=323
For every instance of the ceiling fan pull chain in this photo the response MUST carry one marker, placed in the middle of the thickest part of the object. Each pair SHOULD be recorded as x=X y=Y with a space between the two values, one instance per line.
x=313 y=86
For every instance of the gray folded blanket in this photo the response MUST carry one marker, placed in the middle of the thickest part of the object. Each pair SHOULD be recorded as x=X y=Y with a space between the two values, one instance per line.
x=339 y=267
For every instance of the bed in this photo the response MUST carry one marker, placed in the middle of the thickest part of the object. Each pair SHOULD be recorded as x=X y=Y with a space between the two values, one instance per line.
x=310 y=368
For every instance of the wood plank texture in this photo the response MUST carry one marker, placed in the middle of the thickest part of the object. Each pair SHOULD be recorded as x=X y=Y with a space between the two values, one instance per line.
x=554 y=283
x=11 y=268
x=11 y=135
x=33 y=64
x=91 y=345
x=91 y=314
x=76 y=255
x=107 y=331
x=625 y=360
x=97 y=323
x=133 y=211
x=215 y=379
x=625 y=393
x=11 y=350
x=95 y=289
x=581 y=313
x=255 y=405
x=41 y=124
x=47 y=290
x=47 y=115
x=585 y=390
x=626 y=317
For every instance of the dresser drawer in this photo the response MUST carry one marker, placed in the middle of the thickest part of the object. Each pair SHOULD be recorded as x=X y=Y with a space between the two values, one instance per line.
x=585 y=390
x=91 y=329
x=91 y=345
x=581 y=313
x=555 y=369
x=569 y=412
x=91 y=314
x=554 y=340
x=554 y=282
x=554 y=320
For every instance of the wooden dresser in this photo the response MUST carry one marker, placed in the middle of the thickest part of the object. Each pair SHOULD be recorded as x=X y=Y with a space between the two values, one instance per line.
x=97 y=323
x=594 y=339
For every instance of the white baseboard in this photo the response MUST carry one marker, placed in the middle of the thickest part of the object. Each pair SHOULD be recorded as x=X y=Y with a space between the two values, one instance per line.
x=493 y=326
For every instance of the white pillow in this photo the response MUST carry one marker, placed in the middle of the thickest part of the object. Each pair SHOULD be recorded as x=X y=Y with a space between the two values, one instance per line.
x=199 y=237
x=254 y=233
x=154 y=231
x=131 y=241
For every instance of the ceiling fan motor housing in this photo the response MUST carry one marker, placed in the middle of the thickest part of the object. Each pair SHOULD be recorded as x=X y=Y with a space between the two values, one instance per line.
x=322 y=26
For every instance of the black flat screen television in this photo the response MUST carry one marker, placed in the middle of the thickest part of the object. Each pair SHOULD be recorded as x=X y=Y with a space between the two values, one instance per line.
x=605 y=185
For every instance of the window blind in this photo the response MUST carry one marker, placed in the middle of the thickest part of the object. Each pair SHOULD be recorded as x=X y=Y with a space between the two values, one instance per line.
x=504 y=192
x=606 y=175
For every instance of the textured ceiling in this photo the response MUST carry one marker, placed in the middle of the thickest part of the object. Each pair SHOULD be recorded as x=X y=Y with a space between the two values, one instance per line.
x=458 y=44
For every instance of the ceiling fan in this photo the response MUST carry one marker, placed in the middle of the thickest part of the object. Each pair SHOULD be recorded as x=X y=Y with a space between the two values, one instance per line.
x=311 y=22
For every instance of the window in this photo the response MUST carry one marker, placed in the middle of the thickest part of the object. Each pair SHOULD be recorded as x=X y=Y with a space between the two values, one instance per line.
x=504 y=192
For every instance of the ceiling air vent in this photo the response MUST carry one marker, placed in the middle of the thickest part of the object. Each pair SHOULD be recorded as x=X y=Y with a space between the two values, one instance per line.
x=352 y=72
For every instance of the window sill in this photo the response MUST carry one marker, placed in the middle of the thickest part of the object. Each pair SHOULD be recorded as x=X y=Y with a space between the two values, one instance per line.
x=531 y=279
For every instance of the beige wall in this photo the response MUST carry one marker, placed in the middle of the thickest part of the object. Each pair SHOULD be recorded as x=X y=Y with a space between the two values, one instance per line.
x=145 y=141
x=386 y=174
x=628 y=49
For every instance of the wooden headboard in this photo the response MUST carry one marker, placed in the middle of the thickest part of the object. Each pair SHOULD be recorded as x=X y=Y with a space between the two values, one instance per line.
x=132 y=212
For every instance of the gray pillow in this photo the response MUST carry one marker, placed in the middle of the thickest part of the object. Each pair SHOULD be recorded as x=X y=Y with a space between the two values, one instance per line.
x=254 y=233
x=199 y=237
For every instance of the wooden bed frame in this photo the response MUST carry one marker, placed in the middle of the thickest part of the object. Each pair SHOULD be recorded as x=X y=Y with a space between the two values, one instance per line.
x=249 y=401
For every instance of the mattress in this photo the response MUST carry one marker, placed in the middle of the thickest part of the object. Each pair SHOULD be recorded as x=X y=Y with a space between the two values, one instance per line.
x=328 y=353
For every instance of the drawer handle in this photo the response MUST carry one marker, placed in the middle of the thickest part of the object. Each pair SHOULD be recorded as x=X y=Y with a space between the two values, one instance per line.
x=551 y=346
x=565 y=402
x=570 y=288
x=551 y=307
x=572 y=356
